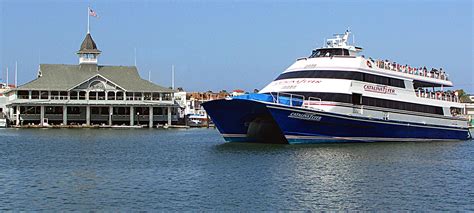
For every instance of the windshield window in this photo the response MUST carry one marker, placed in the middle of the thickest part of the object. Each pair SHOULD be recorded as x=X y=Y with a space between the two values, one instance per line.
x=329 y=52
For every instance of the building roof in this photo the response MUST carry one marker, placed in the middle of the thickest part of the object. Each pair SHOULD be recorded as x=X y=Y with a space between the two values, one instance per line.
x=88 y=45
x=63 y=77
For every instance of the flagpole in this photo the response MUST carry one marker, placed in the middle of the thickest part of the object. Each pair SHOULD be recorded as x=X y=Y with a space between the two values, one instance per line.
x=88 y=24
x=172 y=76
x=16 y=74
x=135 y=57
x=7 y=78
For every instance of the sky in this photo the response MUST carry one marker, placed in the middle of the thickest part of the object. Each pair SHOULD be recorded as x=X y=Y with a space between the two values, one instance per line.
x=239 y=44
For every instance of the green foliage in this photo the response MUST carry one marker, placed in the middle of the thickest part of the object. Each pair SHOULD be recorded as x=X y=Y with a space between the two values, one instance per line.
x=463 y=96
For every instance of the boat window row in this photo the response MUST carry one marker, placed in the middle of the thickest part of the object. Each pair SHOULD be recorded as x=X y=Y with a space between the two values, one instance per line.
x=378 y=102
x=357 y=99
x=349 y=75
x=329 y=52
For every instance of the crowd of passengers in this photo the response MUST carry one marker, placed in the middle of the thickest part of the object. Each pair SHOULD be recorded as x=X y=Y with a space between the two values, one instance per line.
x=438 y=95
x=421 y=71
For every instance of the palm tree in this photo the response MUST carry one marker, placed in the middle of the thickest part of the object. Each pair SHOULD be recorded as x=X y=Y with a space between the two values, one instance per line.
x=463 y=96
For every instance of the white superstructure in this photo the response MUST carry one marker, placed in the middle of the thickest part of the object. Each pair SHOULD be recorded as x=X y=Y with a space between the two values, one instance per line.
x=335 y=78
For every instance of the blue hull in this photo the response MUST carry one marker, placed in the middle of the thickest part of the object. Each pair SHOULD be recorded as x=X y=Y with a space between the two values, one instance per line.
x=243 y=120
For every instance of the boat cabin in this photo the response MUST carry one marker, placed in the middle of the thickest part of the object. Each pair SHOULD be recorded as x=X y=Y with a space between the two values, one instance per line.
x=337 y=46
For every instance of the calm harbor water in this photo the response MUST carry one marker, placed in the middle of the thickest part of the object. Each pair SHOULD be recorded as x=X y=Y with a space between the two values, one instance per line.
x=175 y=170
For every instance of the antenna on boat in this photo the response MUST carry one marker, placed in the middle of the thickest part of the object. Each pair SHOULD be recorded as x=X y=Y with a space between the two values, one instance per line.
x=149 y=76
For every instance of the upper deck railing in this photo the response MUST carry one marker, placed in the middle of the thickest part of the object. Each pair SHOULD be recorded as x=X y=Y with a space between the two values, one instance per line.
x=421 y=71
x=439 y=95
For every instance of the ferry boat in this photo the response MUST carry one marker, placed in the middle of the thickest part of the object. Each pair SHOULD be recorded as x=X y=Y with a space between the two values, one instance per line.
x=338 y=95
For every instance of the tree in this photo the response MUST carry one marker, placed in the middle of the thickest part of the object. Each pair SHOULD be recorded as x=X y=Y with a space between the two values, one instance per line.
x=463 y=96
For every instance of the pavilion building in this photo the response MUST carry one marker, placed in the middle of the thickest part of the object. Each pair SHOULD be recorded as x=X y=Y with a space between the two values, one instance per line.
x=91 y=94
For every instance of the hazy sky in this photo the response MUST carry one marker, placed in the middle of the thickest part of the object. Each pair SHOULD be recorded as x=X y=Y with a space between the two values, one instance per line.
x=217 y=45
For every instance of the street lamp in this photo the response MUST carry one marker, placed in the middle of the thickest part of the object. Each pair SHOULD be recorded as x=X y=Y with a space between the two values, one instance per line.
x=138 y=118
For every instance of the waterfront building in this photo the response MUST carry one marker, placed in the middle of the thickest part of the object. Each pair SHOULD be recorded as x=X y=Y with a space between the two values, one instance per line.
x=90 y=94
x=4 y=87
x=195 y=99
x=237 y=92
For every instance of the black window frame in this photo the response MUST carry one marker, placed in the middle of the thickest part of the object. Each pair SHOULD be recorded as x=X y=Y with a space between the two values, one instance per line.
x=374 y=102
x=347 y=75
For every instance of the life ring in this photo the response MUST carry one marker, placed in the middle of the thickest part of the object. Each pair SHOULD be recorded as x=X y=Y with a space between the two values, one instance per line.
x=369 y=64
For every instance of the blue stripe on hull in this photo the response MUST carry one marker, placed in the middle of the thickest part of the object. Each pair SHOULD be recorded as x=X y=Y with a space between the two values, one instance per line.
x=345 y=128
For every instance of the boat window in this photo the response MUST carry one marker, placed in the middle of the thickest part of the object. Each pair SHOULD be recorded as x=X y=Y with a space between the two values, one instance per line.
x=375 y=102
x=329 y=52
x=356 y=99
x=358 y=76
x=378 y=102
x=455 y=111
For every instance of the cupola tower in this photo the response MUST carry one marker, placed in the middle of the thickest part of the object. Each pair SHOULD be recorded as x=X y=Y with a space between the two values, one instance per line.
x=88 y=53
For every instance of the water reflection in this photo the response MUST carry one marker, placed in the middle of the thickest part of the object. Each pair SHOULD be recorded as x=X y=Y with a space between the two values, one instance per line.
x=178 y=170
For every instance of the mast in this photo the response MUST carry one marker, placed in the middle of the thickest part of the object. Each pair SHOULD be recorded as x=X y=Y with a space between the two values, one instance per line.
x=135 y=57
x=16 y=74
x=7 y=78
x=172 y=76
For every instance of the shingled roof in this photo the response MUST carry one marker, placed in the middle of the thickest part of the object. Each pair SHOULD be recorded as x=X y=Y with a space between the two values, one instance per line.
x=88 y=45
x=63 y=77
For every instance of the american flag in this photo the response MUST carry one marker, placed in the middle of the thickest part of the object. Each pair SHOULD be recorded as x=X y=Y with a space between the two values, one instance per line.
x=92 y=12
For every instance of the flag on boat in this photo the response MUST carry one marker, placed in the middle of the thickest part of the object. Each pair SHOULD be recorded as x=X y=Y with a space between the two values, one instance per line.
x=92 y=13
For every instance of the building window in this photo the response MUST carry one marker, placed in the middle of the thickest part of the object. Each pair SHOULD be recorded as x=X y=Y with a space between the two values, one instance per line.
x=29 y=110
x=129 y=96
x=92 y=95
x=147 y=96
x=138 y=96
x=111 y=95
x=119 y=95
x=73 y=111
x=101 y=95
x=73 y=95
x=34 y=94
x=121 y=110
x=23 y=94
x=63 y=95
x=158 y=111
x=55 y=95
x=104 y=111
x=156 y=96
x=95 y=110
x=54 y=110
x=167 y=96
x=82 y=95
x=44 y=95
